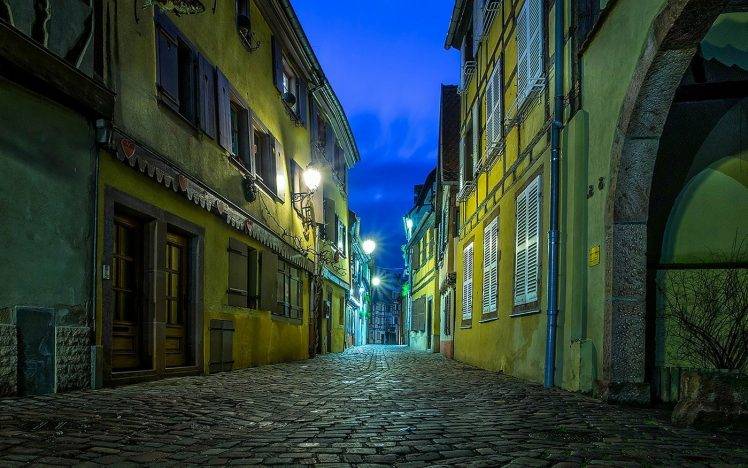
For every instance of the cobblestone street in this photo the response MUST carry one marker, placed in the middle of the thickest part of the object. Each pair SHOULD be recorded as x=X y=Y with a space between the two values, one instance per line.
x=370 y=405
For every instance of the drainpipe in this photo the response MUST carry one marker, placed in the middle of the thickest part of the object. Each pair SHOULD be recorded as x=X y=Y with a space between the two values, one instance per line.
x=553 y=233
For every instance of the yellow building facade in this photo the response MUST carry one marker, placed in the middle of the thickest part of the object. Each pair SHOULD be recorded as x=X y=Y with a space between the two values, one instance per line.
x=623 y=183
x=208 y=243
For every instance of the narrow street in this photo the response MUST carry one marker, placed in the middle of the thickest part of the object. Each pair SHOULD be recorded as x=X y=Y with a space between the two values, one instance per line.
x=369 y=405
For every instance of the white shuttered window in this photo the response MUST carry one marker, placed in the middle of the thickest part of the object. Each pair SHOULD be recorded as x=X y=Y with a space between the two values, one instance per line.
x=467 y=282
x=529 y=30
x=494 y=109
x=527 y=252
x=490 y=266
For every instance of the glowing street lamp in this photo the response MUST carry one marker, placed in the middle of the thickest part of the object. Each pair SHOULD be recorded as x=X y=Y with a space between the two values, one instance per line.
x=376 y=281
x=312 y=178
x=409 y=223
x=369 y=246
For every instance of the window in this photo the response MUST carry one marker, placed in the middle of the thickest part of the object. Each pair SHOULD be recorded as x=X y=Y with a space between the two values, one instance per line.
x=467 y=283
x=244 y=275
x=321 y=131
x=341 y=311
x=476 y=134
x=289 y=291
x=494 y=110
x=265 y=159
x=176 y=77
x=287 y=81
x=529 y=30
x=339 y=163
x=527 y=258
x=478 y=6
x=340 y=236
x=490 y=266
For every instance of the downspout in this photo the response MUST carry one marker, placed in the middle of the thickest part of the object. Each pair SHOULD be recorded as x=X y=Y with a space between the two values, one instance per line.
x=553 y=232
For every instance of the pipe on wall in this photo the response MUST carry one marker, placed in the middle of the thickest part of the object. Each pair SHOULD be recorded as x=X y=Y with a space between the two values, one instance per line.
x=553 y=232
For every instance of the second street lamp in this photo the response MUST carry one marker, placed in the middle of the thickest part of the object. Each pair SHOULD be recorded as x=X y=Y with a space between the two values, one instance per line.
x=369 y=246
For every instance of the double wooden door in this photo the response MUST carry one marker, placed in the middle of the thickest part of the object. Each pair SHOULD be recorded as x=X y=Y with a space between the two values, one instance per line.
x=132 y=323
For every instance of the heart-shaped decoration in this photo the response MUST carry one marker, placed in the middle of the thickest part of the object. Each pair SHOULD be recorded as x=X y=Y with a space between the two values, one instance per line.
x=183 y=182
x=128 y=147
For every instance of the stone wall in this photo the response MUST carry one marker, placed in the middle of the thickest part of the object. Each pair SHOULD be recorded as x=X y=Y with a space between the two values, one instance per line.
x=8 y=360
x=72 y=359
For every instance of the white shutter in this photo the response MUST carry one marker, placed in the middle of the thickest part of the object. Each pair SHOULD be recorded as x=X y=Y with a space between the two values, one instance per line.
x=494 y=109
x=520 y=260
x=529 y=29
x=533 y=239
x=462 y=162
x=527 y=258
x=490 y=264
x=476 y=136
x=467 y=282
x=477 y=24
x=535 y=43
x=522 y=51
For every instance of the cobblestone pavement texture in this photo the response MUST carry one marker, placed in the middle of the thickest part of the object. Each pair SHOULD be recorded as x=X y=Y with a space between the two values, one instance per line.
x=371 y=405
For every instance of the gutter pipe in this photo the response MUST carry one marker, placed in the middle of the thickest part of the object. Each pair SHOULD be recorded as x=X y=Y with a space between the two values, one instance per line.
x=553 y=233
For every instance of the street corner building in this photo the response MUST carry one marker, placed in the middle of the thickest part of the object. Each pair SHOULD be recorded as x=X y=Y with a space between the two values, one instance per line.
x=601 y=156
x=159 y=217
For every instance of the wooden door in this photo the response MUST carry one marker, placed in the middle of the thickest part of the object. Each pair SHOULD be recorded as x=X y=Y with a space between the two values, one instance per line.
x=127 y=281
x=175 y=347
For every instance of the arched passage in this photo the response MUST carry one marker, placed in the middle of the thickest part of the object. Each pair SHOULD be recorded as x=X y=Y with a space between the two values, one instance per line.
x=672 y=41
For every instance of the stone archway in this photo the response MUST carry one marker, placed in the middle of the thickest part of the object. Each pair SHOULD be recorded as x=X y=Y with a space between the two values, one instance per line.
x=670 y=46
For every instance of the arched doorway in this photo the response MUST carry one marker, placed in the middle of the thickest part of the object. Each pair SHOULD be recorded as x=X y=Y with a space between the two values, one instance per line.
x=672 y=44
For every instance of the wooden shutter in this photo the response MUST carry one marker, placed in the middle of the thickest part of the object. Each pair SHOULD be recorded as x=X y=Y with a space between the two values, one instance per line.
x=478 y=6
x=277 y=63
x=207 y=91
x=245 y=137
x=462 y=162
x=467 y=282
x=168 y=64
x=223 y=92
x=533 y=239
x=494 y=109
x=520 y=246
x=221 y=345
x=522 y=51
x=476 y=139
x=237 y=290
x=534 y=43
x=490 y=264
x=268 y=286
x=313 y=128
x=330 y=217
x=254 y=278
x=272 y=160
x=302 y=102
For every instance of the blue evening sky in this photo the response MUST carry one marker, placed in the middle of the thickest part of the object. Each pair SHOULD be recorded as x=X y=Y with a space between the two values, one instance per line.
x=385 y=60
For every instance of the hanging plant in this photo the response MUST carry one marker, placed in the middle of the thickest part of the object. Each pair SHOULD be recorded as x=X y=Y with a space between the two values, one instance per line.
x=178 y=7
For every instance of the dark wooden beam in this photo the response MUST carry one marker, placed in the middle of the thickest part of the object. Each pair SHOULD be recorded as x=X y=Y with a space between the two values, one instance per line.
x=27 y=63
x=735 y=6
x=712 y=91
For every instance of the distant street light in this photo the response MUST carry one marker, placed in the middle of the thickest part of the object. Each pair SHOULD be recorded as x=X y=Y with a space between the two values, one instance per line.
x=369 y=246
x=409 y=223
x=376 y=281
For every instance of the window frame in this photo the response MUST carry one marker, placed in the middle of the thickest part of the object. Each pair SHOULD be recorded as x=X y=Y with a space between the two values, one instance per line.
x=186 y=103
x=285 y=279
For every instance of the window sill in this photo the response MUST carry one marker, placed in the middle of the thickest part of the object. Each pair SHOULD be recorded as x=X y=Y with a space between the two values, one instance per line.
x=283 y=318
x=162 y=101
x=268 y=191
x=489 y=318
x=520 y=311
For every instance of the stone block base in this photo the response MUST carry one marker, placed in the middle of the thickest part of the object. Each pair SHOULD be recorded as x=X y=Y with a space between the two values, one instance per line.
x=8 y=360
x=72 y=359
